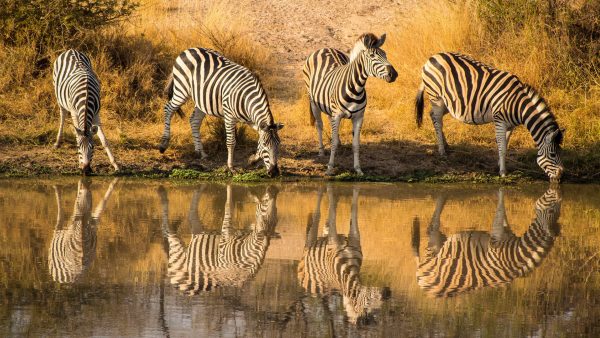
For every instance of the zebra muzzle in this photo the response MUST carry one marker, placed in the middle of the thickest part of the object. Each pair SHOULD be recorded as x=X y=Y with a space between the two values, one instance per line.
x=392 y=74
x=273 y=171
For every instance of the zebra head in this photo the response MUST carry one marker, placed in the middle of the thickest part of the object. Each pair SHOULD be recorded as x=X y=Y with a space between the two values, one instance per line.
x=374 y=59
x=268 y=147
x=85 y=146
x=548 y=157
x=364 y=304
x=547 y=210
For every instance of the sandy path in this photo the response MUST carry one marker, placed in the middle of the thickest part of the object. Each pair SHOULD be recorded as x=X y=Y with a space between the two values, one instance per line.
x=291 y=30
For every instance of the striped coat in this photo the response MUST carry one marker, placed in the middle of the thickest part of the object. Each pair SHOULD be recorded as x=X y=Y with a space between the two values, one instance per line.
x=77 y=91
x=475 y=93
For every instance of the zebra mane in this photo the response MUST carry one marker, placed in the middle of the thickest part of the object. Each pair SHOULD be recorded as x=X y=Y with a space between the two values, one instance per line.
x=365 y=41
x=541 y=105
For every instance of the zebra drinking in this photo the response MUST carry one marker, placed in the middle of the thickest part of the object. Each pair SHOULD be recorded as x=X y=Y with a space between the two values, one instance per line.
x=73 y=246
x=220 y=87
x=475 y=93
x=336 y=86
x=475 y=259
x=77 y=90
x=225 y=259
x=331 y=263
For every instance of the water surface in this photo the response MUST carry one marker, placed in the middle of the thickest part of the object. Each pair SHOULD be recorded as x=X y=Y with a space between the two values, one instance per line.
x=160 y=258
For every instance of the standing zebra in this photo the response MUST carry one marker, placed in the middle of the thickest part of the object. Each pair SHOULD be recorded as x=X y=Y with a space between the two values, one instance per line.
x=475 y=259
x=336 y=86
x=77 y=90
x=222 y=88
x=331 y=263
x=475 y=93
x=228 y=258
x=73 y=247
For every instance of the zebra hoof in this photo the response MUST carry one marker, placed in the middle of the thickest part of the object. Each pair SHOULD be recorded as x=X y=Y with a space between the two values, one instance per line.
x=56 y=145
x=359 y=172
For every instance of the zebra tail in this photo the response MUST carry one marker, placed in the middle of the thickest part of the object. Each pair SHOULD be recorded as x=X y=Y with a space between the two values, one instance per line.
x=419 y=105
x=168 y=92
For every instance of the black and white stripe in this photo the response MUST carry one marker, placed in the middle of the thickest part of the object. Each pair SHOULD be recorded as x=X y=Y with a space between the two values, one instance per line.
x=331 y=263
x=77 y=90
x=476 y=259
x=73 y=246
x=475 y=93
x=336 y=87
x=220 y=87
x=228 y=258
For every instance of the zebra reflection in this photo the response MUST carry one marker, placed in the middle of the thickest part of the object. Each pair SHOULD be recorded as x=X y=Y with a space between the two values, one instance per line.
x=229 y=258
x=476 y=259
x=331 y=263
x=73 y=246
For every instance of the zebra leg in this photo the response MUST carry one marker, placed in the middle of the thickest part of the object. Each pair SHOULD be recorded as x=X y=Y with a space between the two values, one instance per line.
x=195 y=224
x=319 y=125
x=436 y=237
x=59 y=213
x=338 y=137
x=437 y=118
x=226 y=227
x=312 y=228
x=330 y=229
x=104 y=142
x=195 y=123
x=354 y=233
x=335 y=140
x=171 y=107
x=357 y=121
x=63 y=114
x=500 y=225
x=501 y=140
x=100 y=207
x=230 y=131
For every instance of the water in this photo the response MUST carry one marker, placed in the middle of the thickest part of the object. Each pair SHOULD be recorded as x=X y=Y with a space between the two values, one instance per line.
x=157 y=258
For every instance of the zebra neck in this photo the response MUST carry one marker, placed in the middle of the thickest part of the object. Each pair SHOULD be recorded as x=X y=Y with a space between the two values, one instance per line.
x=357 y=75
x=536 y=117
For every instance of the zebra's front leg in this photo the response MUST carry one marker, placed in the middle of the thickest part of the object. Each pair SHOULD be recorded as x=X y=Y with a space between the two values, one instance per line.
x=314 y=110
x=357 y=121
x=354 y=233
x=500 y=224
x=230 y=131
x=63 y=114
x=195 y=123
x=437 y=118
x=104 y=142
x=335 y=123
x=501 y=141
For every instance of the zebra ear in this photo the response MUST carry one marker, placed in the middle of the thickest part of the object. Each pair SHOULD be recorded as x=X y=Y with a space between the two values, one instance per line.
x=263 y=126
x=380 y=42
x=279 y=126
x=552 y=136
x=94 y=130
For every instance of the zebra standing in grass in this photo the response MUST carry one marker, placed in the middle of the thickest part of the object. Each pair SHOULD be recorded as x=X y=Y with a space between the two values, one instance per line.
x=77 y=90
x=73 y=247
x=475 y=93
x=476 y=259
x=332 y=262
x=222 y=88
x=228 y=258
x=336 y=86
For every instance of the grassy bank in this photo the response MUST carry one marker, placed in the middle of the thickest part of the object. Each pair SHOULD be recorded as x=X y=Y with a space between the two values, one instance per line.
x=554 y=49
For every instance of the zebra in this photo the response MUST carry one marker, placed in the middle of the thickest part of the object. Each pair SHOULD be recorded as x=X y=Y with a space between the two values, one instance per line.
x=77 y=90
x=331 y=263
x=225 y=259
x=475 y=93
x=336 y=86
x=222 y=88
x=476 y=259
x=73 y=247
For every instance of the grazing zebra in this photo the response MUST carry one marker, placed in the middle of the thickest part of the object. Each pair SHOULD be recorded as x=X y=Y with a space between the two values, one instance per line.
x=228 y=258
x=73 y=246
x=475 y=93
x=336 y=86
x=331 y=263
x=222 y=88
x=77 y=90
x=476 y=259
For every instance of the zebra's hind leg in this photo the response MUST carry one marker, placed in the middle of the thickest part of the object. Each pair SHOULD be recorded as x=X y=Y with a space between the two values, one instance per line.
x=335 y=124
x=502 y=142
x=437 y=118
x=104 y=142
x=314 y=110
x=171 y=107
x=357 y=121
x=63 y=114
x=195 y=123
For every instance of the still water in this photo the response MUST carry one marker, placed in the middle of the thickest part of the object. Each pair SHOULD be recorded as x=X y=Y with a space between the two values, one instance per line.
x=159 y=258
